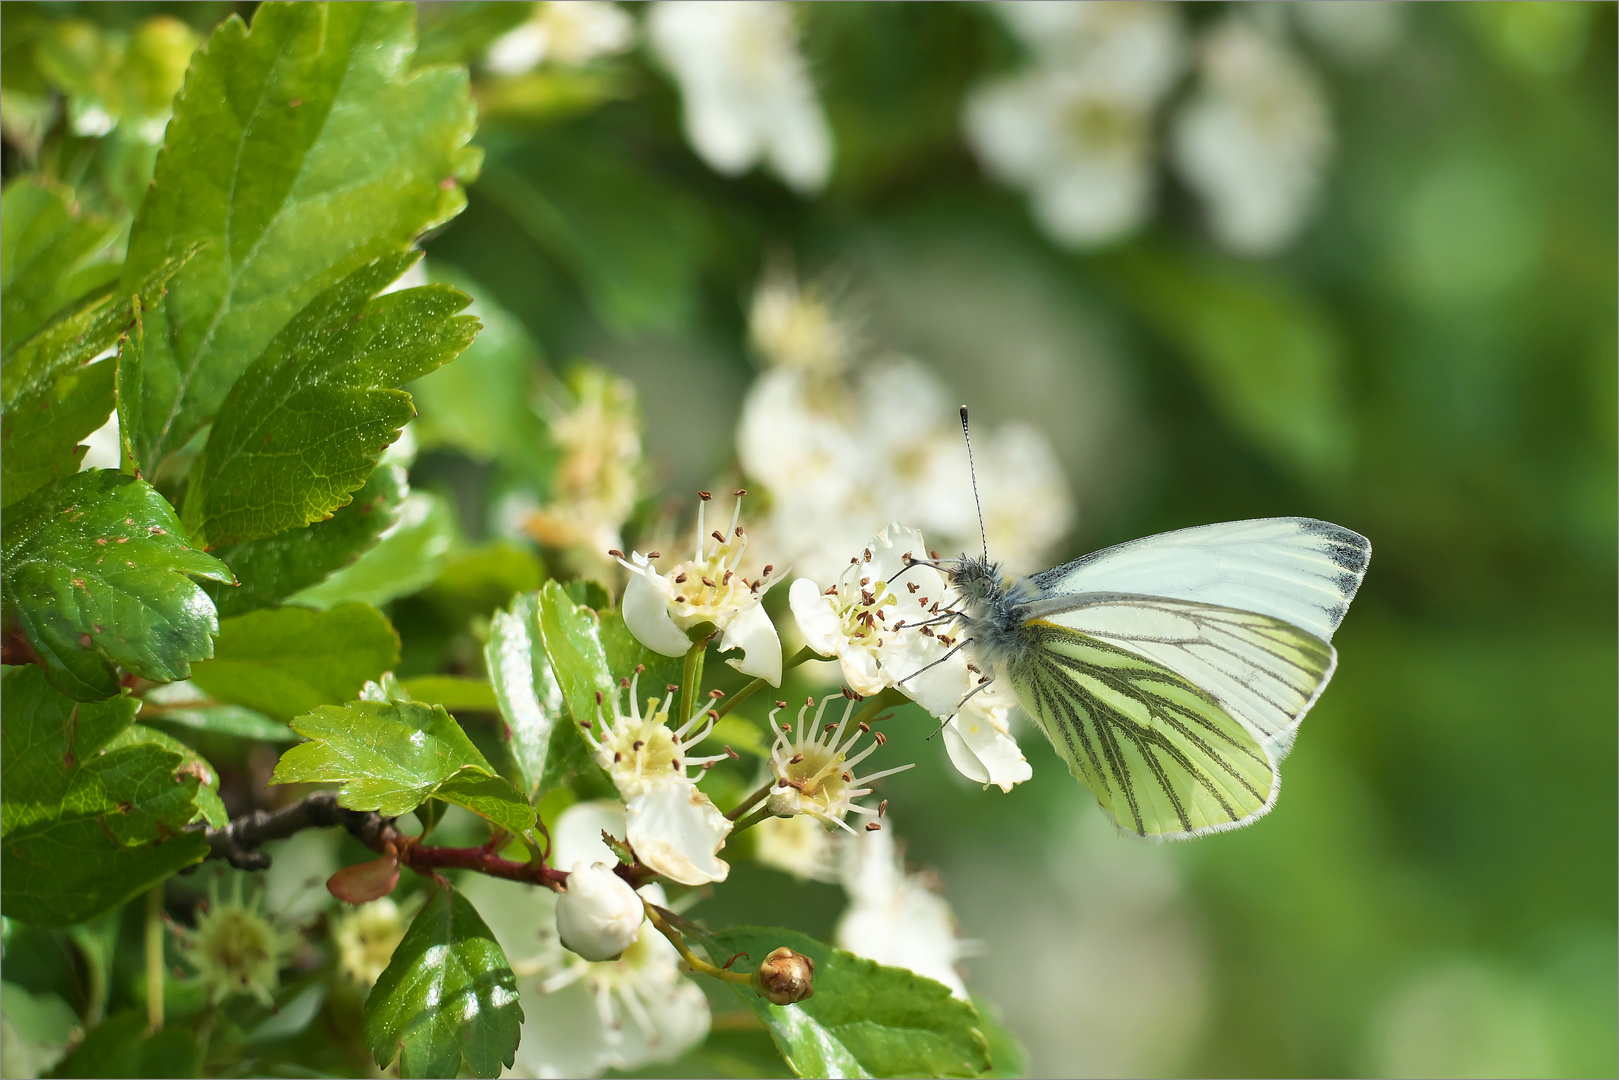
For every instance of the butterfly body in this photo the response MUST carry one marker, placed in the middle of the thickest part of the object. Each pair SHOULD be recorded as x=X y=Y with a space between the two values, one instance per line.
x=1171 y=672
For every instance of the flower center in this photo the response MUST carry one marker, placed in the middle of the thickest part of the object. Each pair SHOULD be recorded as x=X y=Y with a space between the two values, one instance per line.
x=644 y=748
x=708 y=589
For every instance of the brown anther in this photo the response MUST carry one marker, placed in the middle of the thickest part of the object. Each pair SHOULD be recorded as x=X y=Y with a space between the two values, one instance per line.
x=726 y=580
x=681 y=578
x=787 y=729
x=680 y=599
x=912 y=586
x=882 y=740
x=864 y=727
x=809 y=703
x=934 y=555
x=781 y=704
x=922 y=600
x=624 y=684
x=712 y=715
x=795 y=759
x=739 y=492
x=615 y=553
x=637 y=744
x=707 y=765
x=868 y=554
x=732 y=754
x=872 y=826
x=716 y=534
x=828 y=727
x=927 y=631
x=847 y=778
x=585 y=724
x=709 y=583
x=598 y=698
x=882 y=808
x=853 y=561
x=705 y=496
x=768 y=567
x=674 y=765
x=672 y=687
x=716 y=694
x=738 y=530
x=864 y=582
x=640 y=668
x=617 y=757
x=654 y=554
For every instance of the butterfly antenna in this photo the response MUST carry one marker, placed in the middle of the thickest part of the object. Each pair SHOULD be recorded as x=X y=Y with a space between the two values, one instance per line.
x=973 y=472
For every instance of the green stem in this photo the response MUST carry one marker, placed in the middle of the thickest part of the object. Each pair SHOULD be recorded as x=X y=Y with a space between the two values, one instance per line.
x=751 y=820
x=690 y=957
x=806 y=653
x=154 y=958
x=690 y=677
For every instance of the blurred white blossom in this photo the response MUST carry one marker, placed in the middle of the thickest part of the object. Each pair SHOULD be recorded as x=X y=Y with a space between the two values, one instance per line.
x=567 y=32
x=1254 y=139
x=661 y=609
x=897 y=918
x=1075 y=129
x=582 y=1018
x=1353 y=31
x=745 y=87
x=598 y=432
x=813 y=765
x=793 y=326
x=367 y=936
x=798 y=845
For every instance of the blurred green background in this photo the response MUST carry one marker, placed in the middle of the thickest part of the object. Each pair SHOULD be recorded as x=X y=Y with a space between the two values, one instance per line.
x=1431 y=362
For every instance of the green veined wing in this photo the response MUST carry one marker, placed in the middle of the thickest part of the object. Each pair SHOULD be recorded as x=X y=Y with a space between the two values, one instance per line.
x=1175 y=714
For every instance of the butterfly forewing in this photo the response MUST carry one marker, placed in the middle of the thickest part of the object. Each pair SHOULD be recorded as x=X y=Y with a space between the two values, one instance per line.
x=1163 y=756
x=1264 y=672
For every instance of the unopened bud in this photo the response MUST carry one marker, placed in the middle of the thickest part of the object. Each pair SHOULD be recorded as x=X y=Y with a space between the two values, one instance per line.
x=600 y=915
x=786 y=976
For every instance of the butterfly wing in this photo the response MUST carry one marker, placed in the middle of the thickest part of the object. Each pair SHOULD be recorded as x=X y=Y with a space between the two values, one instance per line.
x=1299 y=570
x=1163 y=756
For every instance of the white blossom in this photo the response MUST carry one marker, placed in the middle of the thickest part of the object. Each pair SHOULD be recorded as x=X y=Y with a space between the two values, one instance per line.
x=367 y=937
x=1076 y=129
x=813 y=766
x=745 y=87
x=661 y=609
x=897 y=918
x=567 y=32
x=979 y=737
x=798 y=845
x=600 y=915
x=1353 y=31
x=860 y=619
x=794 y=327
x=673 y=827
x=582 y=1018
x=1254 y=139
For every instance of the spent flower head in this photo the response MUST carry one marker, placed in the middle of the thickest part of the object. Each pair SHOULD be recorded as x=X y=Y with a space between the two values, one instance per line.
x=235 y=947
x=814 y=764
x=705 y=593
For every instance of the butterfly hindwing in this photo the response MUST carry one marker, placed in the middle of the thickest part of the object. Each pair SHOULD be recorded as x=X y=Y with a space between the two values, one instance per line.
x=1161 y=754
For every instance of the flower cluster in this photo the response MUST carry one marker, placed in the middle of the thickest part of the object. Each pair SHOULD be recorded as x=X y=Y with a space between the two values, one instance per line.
x=886 y=621
x=1076 y=128
x=673 y=827
x=844 y=447
x=583 y=1017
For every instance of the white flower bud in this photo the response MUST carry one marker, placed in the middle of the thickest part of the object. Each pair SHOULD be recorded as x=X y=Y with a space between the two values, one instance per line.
x=600 y=915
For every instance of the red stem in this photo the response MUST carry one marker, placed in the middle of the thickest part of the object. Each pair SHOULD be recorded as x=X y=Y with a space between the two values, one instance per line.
x=425 y=859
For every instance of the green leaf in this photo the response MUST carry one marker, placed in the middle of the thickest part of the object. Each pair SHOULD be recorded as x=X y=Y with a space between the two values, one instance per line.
x=283 y=662
x=49 y=254
x=89 y=815
x=40 y=434
x=121 y=1046
x=571 y=636
x=95 y=570
x=448 y=996
x=864 y=1019
x=393 y=756
x=408 y=558
x=454 y=692
x=1268 y=357
x=301 y=150
x=545 y=742
x=210 y=808
x=483 y=404
x=232 y=720
x=459 y=33
x=625 y=654
x=126 y=82
x=480 y=580
x=305 y=424
x=274 y=568
x=1006 y=1053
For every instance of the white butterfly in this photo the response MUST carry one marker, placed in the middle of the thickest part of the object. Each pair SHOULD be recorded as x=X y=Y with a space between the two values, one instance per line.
x=1171 y=672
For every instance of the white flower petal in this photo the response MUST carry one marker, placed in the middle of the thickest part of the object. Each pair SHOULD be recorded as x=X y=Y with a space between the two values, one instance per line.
x=861 y=672
x=600 y=915
x=678 y=831
x=646 y=613
x=577 y=832
x=753 y=632
x=893 y=918
x=817 y=619
x=982 y=752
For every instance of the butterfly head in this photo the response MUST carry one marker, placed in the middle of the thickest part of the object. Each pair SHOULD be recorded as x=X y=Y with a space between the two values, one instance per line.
x=976 y=581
